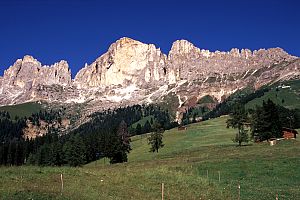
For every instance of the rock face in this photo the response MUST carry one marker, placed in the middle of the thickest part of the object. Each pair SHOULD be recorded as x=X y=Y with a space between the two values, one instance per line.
x=127 y=61
x=21 y=80
x=131 y=62
x=34 y=130
x=28 y=71
x=131 y=72
x=192 y=63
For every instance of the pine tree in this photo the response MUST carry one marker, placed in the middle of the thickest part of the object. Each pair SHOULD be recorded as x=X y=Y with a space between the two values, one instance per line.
x=11 y=153
x=55 y=154
x=272 y=115
x=138 y=129
x=155 y=139
x=121 y=145
x=241 y=136
x=75 y=151
x=147 y=127
x=266 y=122
x=19 y=155
x=237 y=120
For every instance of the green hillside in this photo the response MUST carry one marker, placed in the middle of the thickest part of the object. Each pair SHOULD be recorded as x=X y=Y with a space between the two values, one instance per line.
x=176 y=142
x=143 y=121
x=287 y=95
x=22 y=110
x=188 y=165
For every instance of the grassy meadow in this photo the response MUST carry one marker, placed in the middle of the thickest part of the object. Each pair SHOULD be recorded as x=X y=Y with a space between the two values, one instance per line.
x=22 y=110
x=189 y=166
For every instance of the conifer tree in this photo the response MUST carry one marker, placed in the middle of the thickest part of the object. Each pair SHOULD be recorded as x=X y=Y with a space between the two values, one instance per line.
x=266 y=122
x=147 y=127
x=75 y=151
x=121 y=144
x=155 y=139
x=138 y=129
x=237 y=120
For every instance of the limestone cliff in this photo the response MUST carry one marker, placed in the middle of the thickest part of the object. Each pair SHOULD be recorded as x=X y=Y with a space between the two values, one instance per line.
x=25 y=75
x=126 y=61
x=29 y=71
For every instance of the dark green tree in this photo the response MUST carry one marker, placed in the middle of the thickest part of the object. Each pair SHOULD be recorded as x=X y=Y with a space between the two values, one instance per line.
x=156 y=138
x=55 y=154
x=147 y=127
x=11 y=153
x=238 y=118
x=138 y=129
x=75 y=151
x=266 y=122
x=121 y=145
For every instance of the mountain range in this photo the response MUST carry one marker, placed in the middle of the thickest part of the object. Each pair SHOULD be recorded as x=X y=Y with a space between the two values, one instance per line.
x=132 y=72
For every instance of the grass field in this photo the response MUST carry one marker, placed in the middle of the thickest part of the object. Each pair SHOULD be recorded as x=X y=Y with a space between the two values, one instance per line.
x=189 y=166
x=22 y=110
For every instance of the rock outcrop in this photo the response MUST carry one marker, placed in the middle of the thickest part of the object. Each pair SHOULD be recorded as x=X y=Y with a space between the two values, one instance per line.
x=192 y=63
x=127 y=61
x=28 y=72
x=21 y=80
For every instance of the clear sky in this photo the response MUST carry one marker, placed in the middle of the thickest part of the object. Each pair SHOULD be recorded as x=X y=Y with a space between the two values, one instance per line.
x=79 y=31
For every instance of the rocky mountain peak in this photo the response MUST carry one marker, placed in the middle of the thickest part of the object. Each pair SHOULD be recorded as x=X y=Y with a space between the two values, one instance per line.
x=31 y=70
x=30 y=59
x=182 y=47
x=58 y=73
x=126 y=41
x=273 y=53
x=126 y=61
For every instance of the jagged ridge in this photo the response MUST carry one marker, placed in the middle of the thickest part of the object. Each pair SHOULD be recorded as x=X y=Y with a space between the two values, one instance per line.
x=134 y=72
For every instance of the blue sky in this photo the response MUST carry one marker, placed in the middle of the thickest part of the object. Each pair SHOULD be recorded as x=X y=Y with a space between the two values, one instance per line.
x=80 y=31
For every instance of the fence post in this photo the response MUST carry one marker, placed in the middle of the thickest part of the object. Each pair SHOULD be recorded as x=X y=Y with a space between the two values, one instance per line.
x=162 y=191
x=207 y=174
x=239 y=191
x=62 y=183
x=219 y=176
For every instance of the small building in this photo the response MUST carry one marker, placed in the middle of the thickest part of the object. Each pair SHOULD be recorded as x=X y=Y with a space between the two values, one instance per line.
x=182 y=128
x=289 y=133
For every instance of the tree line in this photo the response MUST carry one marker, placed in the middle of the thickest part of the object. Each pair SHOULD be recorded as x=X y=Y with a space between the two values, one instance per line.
x=107 y=134
x=264 y=122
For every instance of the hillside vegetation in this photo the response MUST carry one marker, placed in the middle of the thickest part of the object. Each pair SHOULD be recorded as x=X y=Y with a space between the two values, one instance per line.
x=22 y=110
x=189 y=166
x=286 y=94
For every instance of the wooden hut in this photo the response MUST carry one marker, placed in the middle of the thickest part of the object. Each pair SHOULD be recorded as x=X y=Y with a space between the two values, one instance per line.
x=289 y=133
